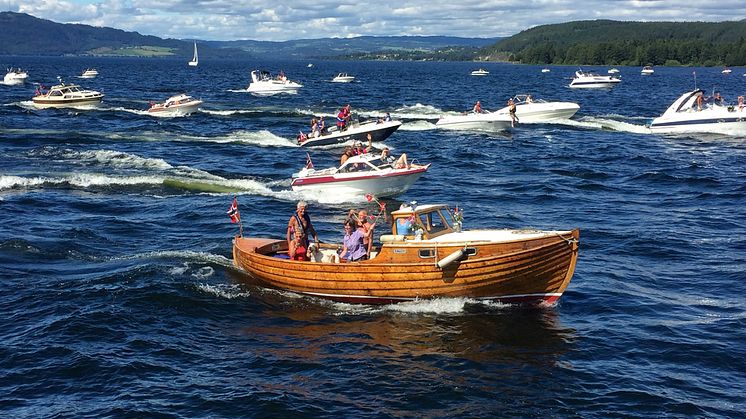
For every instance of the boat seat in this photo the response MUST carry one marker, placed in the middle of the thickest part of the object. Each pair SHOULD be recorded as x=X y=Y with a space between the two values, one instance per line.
x=392 y=238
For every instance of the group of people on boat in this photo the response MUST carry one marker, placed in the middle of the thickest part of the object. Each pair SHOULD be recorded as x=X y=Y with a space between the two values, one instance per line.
x=511 y=109
x=357 y=241
x=357 y=149
x=715 y=99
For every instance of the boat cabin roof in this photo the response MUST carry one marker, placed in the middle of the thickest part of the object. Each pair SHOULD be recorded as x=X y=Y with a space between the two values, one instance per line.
x=178 y=98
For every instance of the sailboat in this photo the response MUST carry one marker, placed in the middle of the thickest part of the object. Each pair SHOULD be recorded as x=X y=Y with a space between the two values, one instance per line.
x=195 y=60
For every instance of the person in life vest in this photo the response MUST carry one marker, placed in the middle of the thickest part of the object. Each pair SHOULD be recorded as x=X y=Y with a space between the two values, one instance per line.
x=341 y=122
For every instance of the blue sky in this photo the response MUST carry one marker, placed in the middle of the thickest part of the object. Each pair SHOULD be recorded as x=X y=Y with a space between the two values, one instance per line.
x=280 y=20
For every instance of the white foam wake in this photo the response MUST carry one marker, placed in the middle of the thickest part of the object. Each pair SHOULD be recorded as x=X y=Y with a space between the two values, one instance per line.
x=116 y=159
x=604 y=123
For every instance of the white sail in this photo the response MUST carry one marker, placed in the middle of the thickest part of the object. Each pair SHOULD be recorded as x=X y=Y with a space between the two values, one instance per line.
x=195 y=60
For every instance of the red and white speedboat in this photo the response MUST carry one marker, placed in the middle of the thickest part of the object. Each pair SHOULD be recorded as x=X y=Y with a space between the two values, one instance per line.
x=360 y=175
x=179 y=105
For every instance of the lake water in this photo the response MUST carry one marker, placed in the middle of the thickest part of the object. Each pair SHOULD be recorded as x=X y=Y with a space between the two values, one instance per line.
x=118 y=297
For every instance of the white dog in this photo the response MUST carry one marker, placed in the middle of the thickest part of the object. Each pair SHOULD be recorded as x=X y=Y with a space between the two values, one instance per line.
x=322 y=255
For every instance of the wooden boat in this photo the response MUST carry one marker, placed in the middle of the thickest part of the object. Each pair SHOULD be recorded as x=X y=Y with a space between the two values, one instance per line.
x=427 y=256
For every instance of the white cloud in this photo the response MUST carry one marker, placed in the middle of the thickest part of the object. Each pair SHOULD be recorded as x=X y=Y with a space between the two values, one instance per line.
x=282 y=20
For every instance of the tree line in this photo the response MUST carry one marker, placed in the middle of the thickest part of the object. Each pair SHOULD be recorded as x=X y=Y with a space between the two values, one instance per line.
x=604 y=42
x=637 y=53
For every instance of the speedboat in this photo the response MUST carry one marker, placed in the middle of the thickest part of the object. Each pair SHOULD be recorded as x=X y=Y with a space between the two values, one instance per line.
x=425 y=255
x=65 y=95
x=726 y=70
x=360 y=175
x=591 y=80
x=343 y=78
x=357 y=131
x=613 y=71
x=263 y=84
x=89 y=74
x=15 y=77
x=545 y=70
x=179 y=105
x=528 y=109
x=480 y=72
x=692 y=113
x=481 y=121
x=647 y=70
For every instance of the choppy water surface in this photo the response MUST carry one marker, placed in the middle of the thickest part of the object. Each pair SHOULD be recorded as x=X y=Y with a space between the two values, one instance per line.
x=117 y=295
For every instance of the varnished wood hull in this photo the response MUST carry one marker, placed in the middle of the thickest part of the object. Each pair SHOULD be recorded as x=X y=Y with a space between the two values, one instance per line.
x=535 y=270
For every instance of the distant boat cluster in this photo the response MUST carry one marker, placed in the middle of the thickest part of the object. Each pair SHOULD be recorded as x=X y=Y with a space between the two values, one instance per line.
x=693 y=112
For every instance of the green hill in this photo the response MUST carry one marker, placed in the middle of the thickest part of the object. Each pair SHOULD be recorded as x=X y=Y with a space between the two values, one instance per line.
x=22 y=34
x=608 y=42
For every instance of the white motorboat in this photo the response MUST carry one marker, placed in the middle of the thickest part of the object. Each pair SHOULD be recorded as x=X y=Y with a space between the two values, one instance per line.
x=726 y=70
x=647 y=70
x=263 y=84
x=66 y=95
x=545 y=70
x=480 y=72
x=343 y=78
x=613 y=71
x=179 y=105
x=15 y=77
x=481 y=121
x=591 y=80
x=195 y=58
x=360 y=175
x=530 y=110
x=693 y=113
x=378 y=130
x=89 y=73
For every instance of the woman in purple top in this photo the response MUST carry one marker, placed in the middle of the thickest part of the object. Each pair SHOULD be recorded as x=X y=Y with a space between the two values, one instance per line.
x=354 y=248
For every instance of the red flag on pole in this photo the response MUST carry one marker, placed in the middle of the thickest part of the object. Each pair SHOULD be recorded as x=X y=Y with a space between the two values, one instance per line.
x=233 y=211
x=309 y=163
x=369 y=197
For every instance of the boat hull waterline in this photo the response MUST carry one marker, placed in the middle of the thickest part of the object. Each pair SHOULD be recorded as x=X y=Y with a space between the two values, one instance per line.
x=529 y=270
x=475 y=121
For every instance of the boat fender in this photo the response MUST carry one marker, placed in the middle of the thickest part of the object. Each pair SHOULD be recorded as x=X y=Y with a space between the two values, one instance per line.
x=453 y=257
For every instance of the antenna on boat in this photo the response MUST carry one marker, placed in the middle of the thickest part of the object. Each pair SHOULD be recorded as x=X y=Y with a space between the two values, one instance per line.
x=695 y=79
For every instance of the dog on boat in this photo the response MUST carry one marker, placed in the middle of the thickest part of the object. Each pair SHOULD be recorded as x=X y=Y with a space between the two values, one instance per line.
x=322 y=255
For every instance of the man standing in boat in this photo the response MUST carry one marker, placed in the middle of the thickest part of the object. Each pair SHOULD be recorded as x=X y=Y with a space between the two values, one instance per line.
x=511 y=111
x=300 y=225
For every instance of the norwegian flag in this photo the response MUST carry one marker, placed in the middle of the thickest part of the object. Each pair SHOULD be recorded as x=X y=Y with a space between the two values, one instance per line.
x=233 y=211
x=309 y=163
x=369 y=197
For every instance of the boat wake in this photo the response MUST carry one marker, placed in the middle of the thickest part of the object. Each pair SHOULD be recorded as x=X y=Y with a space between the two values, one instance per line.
x=591 y=122
x=153 y=176
x=229 y=112
x=434 y=306
x=417 y=126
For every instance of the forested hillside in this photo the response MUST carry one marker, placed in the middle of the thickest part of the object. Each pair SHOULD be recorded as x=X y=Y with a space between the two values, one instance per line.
x=606 y=42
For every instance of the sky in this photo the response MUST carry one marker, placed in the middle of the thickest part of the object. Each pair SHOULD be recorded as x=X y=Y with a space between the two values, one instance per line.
x=282 y=20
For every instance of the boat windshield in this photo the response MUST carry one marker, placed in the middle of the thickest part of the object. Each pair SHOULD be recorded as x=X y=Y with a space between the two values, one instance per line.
x=360 y=166
x=434 y=222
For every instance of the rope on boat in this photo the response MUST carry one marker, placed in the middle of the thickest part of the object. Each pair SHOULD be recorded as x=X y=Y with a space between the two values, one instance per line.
x=571 y=240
